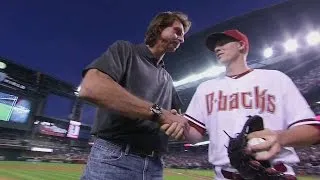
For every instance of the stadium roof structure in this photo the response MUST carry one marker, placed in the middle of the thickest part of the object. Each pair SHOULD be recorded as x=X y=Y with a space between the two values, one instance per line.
x=268 y=27
x=37 y=81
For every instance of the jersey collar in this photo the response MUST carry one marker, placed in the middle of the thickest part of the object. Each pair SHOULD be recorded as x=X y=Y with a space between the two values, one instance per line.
x=237 y=76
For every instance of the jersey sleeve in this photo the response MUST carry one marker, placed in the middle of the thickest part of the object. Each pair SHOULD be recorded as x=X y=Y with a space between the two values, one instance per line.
x=113 y=61
x=195 y=112
x=297 y=109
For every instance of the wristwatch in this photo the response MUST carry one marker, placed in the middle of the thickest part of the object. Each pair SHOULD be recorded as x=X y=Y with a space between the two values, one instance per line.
x=157 y=111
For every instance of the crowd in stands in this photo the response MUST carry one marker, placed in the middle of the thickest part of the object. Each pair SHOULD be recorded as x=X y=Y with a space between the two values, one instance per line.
x=308 y=80
x=11 y=139
x=309 y=160
x=70 y=155
x=188 y=160
x=316 y=109
x=185 y=157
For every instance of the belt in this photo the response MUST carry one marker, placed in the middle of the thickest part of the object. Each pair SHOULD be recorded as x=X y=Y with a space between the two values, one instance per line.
x=141 y=152
x=236 y=176
x=129 y=149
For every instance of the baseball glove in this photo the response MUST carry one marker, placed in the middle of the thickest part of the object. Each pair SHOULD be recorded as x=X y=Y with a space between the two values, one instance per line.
x=247 y=166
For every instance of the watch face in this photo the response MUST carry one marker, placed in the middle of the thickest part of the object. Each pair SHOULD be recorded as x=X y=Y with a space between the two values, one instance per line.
x=156 y=109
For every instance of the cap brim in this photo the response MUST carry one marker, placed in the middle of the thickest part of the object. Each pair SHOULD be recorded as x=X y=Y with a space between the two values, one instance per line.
x=213 y=38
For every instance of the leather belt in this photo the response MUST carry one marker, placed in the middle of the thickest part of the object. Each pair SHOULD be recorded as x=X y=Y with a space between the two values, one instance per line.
x=128 y=149
x=140 y=152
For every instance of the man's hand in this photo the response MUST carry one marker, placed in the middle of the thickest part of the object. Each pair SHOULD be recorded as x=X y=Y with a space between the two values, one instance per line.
x=169 y=117
x=271 y=145
x=173 y=130
x=177 y=126
x=174 y=112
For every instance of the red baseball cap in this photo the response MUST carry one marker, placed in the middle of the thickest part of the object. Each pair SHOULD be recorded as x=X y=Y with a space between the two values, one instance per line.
x=234 y=33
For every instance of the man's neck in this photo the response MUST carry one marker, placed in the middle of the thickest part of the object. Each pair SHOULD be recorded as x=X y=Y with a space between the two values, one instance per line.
x=158 y=52
x=236 y=67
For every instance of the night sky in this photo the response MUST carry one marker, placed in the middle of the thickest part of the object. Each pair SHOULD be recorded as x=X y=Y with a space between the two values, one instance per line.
x=60 y=38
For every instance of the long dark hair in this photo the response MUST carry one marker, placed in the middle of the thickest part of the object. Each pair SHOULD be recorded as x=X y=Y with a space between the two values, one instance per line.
x=162 y=21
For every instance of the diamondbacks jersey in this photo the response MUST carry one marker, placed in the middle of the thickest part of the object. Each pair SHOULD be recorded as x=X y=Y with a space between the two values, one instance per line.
x=223 y=104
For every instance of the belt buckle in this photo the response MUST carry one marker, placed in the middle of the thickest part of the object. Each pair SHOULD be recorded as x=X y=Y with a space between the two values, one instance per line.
x=152 y=154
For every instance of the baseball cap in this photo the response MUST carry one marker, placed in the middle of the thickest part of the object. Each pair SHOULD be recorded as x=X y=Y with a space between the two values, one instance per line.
x=233 y=33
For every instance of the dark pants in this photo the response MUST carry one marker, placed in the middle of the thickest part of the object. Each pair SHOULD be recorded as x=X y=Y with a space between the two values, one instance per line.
x=108 y=161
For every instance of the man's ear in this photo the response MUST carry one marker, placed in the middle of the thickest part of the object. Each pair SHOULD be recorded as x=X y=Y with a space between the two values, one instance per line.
x=242 y=46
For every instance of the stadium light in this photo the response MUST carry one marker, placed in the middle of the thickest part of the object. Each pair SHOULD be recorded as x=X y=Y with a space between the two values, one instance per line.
x=2 y=65
x=291 y=45
x=268 y=52
x=313 y=38
x=211 y=72
x=77 y=91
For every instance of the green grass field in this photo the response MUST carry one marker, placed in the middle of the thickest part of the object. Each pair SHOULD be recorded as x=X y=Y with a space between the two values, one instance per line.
x=57 y=171
x=4 y=111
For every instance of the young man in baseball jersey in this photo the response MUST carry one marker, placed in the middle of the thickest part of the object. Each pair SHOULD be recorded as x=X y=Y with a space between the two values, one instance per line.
x=223 y=104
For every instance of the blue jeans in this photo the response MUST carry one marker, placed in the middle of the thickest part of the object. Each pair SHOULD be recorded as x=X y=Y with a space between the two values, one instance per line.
x=108 y=161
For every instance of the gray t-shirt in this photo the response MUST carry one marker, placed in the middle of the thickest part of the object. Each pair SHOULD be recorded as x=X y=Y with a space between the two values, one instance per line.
x=134 y=68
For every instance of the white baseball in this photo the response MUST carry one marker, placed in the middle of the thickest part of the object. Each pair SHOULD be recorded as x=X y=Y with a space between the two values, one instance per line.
x=255 y=141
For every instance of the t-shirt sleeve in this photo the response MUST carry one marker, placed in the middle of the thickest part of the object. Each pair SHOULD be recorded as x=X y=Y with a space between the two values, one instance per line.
x=113 y=61
x=176 y=100
x=195 y=112
x=297 y=110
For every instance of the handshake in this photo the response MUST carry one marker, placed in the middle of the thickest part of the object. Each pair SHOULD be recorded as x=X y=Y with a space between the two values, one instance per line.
x=174 y=124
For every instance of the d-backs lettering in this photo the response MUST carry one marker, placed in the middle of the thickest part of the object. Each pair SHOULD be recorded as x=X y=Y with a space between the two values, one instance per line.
x=256 y=99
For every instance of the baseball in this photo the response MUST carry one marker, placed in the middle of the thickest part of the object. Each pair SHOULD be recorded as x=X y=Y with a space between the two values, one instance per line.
x=255 y=141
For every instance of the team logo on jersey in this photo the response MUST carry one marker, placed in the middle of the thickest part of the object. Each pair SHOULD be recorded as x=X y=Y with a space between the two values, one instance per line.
x=256 y=99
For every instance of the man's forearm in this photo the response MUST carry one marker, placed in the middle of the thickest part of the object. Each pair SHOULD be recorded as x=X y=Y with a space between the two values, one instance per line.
x=300 y=136
x=102 y=90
